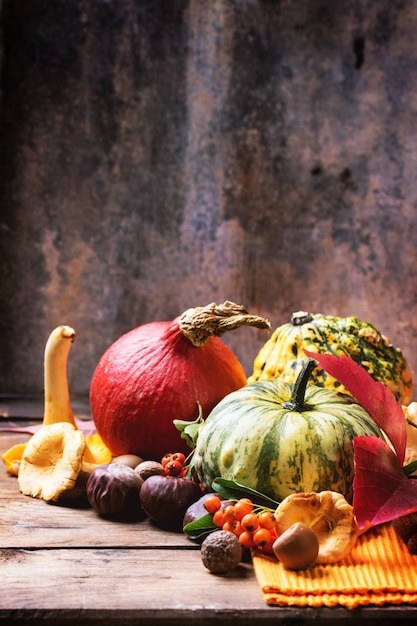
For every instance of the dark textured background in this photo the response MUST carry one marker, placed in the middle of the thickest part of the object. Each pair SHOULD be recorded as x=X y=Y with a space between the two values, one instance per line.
x=163 y=154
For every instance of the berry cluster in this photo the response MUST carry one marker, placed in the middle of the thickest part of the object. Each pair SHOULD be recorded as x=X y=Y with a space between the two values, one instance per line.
x=254 y=526
x=174 y=464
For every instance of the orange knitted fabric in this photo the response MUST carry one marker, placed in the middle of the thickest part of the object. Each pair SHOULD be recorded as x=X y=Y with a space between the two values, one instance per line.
x=379 y=570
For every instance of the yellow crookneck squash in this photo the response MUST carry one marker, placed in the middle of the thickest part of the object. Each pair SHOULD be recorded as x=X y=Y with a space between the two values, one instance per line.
x=282 y=356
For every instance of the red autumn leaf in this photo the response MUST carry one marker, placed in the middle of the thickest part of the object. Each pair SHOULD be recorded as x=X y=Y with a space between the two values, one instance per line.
x=375 y=397
x=382 y=492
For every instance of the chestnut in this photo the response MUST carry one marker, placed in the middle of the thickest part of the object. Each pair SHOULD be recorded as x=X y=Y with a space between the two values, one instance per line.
x=297 y=547
x=165 y=499
x=406 y=529
x=114 y=490
x=405 y=526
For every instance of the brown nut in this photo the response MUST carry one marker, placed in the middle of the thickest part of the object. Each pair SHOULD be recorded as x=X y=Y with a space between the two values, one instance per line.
x=221 y=552
x=327 y=513
x=165 y=500
x=297 y=547
x=149 y=468
x=412 y=544
x=405 y=526
x=114 y=490
x=131 y=460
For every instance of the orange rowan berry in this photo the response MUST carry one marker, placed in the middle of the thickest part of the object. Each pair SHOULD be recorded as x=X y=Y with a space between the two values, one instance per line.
x=178 y=456
x=261 y=537
x=243 y=507
x=229 y=513
x=267 y=519
x=212 y=504
x=228 y=526
x=246 y=539
x=166 y=459
x=237 y=527
x=218 y=518
x=173 y=468
x=250 y=522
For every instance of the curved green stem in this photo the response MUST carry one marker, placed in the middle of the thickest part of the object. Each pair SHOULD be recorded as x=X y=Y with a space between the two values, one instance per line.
x=297 y=399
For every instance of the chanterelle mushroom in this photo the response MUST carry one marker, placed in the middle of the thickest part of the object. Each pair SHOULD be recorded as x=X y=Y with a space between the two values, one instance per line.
x=52 y=461
x=327 y=513
x=58 y=458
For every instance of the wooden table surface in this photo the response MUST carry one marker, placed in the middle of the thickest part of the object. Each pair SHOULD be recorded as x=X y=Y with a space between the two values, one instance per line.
x=65 y=566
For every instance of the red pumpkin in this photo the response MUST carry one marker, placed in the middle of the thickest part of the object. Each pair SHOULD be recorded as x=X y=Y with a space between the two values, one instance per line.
x=159 y=372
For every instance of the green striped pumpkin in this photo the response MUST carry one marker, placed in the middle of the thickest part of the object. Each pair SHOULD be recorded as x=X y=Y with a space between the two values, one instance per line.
x=280 y=438
x=283 y=353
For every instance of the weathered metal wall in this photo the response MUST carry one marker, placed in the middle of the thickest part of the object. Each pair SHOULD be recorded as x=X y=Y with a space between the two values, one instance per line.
x=162 y=154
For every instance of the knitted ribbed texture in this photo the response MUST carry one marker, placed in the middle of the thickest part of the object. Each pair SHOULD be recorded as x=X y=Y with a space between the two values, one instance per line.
x=379 y=570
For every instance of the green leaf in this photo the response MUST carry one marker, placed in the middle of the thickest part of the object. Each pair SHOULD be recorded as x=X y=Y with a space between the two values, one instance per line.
x=189 y=430
x=231 y=490
x=200 y=527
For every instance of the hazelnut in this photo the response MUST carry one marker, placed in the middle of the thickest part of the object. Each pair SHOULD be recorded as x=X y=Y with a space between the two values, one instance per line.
x=131 y=460
x=297 y=547
x=149 y=468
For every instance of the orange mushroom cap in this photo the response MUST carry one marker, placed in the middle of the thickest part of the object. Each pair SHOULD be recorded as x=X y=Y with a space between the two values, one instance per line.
x=329 y=514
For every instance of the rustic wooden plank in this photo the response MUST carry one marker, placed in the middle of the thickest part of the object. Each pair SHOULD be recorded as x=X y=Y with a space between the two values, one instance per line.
x=26 y=521
x=63 y=579
x=144 y=584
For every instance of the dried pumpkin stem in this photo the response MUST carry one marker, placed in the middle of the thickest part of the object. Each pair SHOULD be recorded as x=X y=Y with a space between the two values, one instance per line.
x=57 y=405
x=201 y=323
